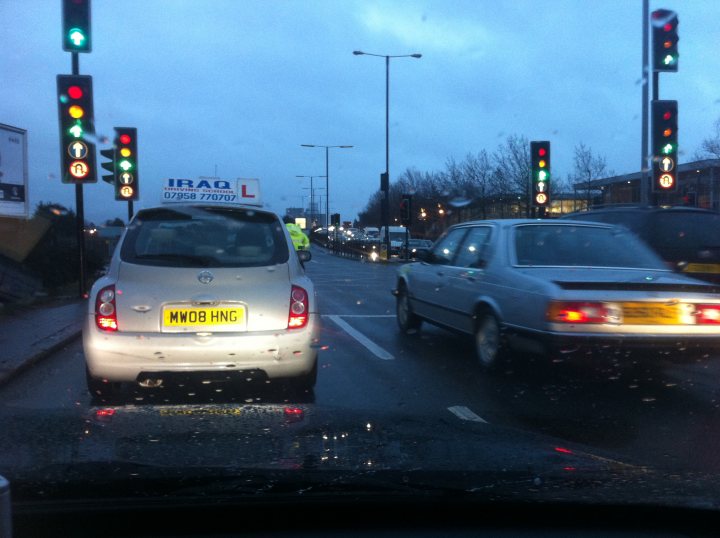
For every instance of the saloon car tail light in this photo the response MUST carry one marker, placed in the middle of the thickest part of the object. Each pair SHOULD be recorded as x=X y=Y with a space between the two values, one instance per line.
x=105 y=311
x=583 y=312
x=299 y=308
x=707 y=314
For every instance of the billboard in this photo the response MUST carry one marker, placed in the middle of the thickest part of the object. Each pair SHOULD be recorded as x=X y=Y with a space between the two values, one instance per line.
x=14 y=200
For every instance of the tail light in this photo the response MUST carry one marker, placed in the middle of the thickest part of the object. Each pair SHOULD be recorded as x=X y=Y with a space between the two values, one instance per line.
x=583 y=312
x=299 y=308
x=105 y=310
x=707 y=314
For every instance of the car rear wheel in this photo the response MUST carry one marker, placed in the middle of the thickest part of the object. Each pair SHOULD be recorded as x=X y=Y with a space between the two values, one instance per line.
x=307 y=381
x=100 y=389
x=406 y=319
x=489 y=345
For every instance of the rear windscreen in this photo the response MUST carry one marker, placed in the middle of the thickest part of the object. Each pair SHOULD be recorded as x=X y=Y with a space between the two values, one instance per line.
x=687 y=233
x=205 y=237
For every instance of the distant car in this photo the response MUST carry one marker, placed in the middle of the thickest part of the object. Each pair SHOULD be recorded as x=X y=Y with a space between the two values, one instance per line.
x=687 y=238
x=416 y=247
x=554 y=285
x=202 y=291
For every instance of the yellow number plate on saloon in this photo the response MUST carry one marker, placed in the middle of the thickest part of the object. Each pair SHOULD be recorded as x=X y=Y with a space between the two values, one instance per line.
x=650 y=314
x=225 y=318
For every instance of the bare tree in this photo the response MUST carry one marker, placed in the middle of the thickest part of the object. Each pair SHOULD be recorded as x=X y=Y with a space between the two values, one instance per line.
x=710 y=146
x=512 y=163
x=477 y=172
x=587 y=167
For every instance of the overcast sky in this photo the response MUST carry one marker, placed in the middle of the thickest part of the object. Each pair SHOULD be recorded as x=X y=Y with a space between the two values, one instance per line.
x=235 y=87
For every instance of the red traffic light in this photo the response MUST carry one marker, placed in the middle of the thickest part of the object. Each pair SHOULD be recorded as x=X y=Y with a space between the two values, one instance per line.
x=75 y=92
x=125 y=139
x=541 y=152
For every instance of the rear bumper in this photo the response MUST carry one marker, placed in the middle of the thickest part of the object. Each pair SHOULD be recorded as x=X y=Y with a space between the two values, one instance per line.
x=128 y=357
x=593 y=341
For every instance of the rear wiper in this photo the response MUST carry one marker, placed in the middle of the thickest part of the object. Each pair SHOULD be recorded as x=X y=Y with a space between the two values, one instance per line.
x=203 y=261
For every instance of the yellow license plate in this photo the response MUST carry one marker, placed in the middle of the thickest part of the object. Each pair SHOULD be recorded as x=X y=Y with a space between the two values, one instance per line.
x=650 y=314
x=702 y=268
x=202 y=317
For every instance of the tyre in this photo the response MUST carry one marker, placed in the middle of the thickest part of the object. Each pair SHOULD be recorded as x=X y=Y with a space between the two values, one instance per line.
x=102 y=390
x=489 y=345
x=406 y=319
x=307 y=381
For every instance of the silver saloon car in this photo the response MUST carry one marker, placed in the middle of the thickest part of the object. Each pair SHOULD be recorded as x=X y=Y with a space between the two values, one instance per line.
x=206 y=291
x=549 y=285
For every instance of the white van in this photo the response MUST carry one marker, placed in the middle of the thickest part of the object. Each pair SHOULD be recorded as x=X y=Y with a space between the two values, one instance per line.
x=397 y=238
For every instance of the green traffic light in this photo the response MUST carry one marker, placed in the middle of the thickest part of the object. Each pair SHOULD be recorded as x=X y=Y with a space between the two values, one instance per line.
x=76 y=130
x=667 y=149
x=125 y=165
x=76 y=37
x=669 y=59
x=542 y=175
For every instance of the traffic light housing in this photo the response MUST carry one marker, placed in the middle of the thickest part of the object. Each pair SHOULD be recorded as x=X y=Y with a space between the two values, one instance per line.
x=126 y=164
x=540 y=172
x=406 y=210
x=76 y=26
x=335 y=219
x=77 y=128
x=110 y=165
x=664 y=40
x=665 y=145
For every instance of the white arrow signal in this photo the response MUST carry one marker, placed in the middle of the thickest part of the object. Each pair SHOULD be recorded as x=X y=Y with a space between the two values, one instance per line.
x=667 y=164
x=78 y=150
x=77 y=38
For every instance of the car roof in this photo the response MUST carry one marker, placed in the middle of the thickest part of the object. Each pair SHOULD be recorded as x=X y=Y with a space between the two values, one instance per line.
x=182 y=206
x=639 y=208
x=514 y=222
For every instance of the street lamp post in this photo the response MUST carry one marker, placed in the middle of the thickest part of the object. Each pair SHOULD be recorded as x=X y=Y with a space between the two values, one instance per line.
x=385 y=185
x=327 y=182
x=312 y=196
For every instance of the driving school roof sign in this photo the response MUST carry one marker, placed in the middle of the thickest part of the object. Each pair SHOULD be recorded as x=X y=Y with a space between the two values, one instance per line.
x=212 y=189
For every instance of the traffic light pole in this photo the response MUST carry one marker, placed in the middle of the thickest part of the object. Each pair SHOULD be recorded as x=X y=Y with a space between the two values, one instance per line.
x=655 y=97
x=645 y=173
x=79 y=209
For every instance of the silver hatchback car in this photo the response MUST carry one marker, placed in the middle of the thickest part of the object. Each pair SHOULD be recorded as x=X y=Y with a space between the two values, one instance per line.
x=548 y=285
x=206 y=291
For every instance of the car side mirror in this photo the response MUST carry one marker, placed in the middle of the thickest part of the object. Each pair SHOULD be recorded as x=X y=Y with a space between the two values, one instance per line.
x=304 y=255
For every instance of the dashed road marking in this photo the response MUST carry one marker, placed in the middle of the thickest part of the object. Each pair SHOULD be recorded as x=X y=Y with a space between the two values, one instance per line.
x=464 y=413
x=364 y=340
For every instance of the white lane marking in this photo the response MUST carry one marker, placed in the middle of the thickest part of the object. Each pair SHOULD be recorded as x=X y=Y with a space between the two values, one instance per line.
x=464 y=413
x=364 y=340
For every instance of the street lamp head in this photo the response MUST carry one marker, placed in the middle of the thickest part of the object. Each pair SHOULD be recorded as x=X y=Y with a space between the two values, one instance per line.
x=358 y=52
x=308 y=145
x=416 y=55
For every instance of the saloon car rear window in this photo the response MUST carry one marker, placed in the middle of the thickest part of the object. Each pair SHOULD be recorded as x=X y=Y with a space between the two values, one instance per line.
x=590 y=246
x=205 y=237
x=685 y=231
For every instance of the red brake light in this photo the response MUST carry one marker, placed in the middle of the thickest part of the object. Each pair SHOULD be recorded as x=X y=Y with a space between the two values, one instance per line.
x=105 y=310
x=707 y=314
x=299 y=308
x=581 y=312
